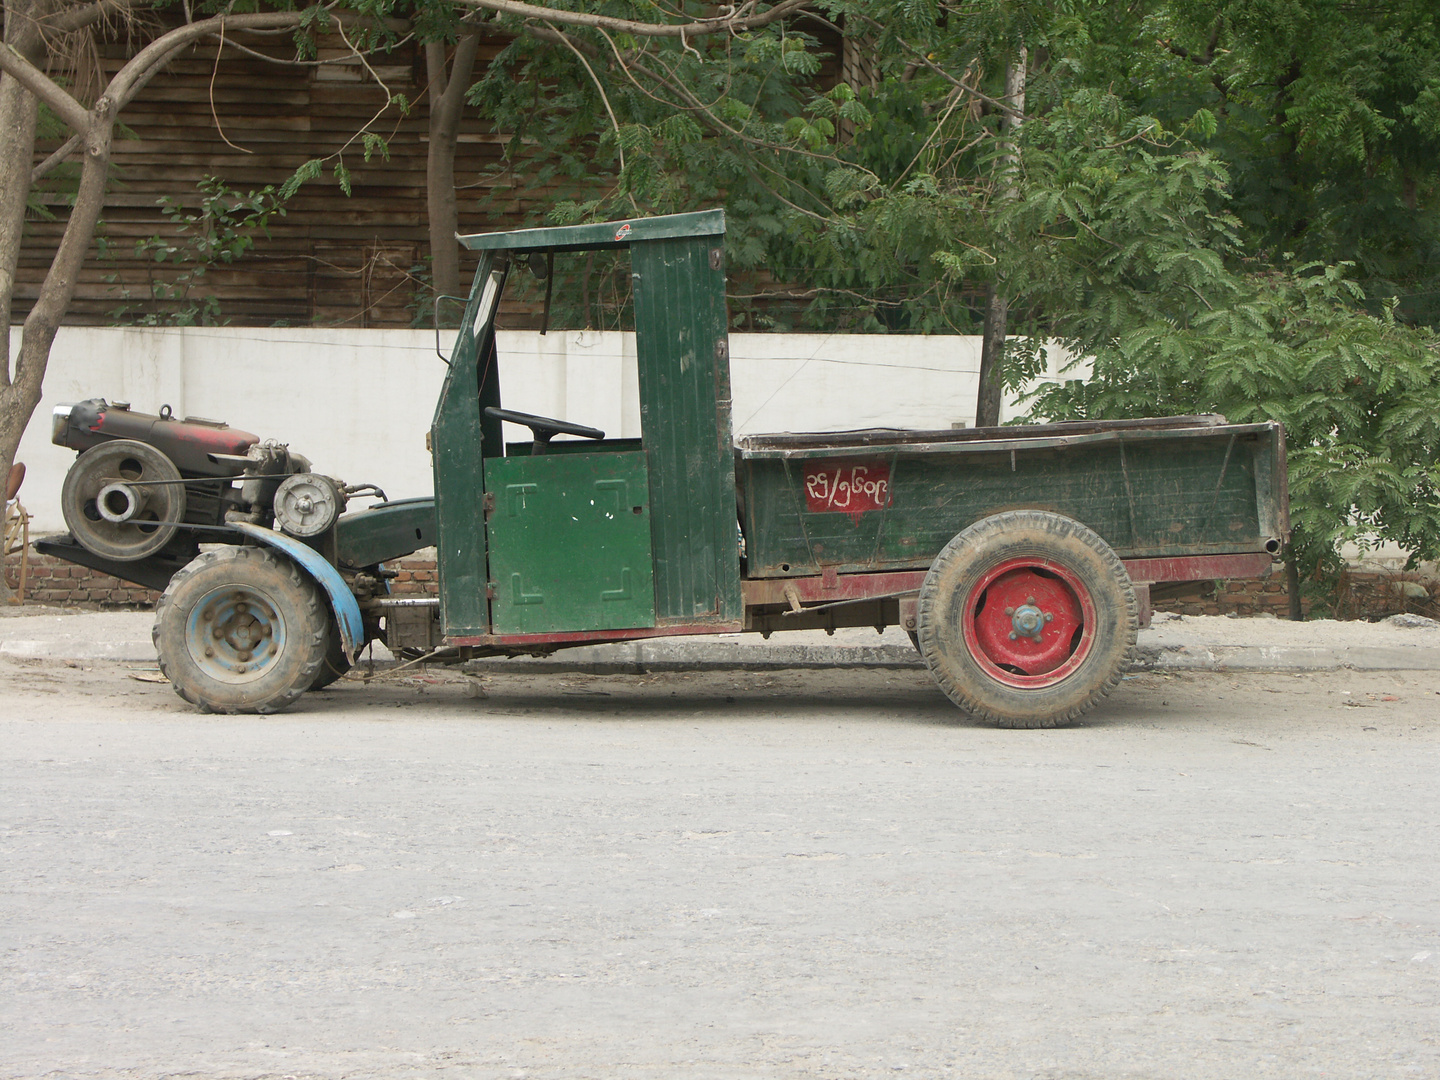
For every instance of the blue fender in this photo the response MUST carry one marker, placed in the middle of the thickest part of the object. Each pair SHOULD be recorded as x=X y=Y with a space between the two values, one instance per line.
x=342 y=600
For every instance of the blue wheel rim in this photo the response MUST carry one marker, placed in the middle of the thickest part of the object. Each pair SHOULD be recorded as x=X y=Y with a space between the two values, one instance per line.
x=235 y=634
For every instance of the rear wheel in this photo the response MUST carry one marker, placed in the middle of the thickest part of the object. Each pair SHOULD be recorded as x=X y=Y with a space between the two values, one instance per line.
x=241 y=629
x=1027 y=619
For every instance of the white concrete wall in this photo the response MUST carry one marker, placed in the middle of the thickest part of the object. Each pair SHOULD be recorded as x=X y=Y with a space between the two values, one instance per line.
x=358 y=402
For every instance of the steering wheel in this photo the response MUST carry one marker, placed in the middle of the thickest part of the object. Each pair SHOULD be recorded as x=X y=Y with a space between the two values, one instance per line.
x=543 y=428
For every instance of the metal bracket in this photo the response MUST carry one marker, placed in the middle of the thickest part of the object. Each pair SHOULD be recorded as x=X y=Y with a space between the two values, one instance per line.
x=435 y=320
x=794 y=598
x=909 y=612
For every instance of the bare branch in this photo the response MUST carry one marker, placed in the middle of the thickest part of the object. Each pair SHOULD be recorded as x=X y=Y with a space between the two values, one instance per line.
x=282 y=62
x=214 y=71
x=738 y=21
x=67 y=148
x=955 y=98
x=158 y=51
x=15 y=65
x=78 y=18
x=389 y=97
x=155 y=69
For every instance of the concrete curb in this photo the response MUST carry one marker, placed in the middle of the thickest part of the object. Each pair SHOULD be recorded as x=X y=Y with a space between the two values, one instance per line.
x=1285 y=658
x=31 y=649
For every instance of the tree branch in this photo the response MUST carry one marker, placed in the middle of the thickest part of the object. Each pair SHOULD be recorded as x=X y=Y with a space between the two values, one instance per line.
x=604 y=97
x=73 y=19
x=461 y=69
x=153 y=55
x=737 y=22
x=46 y=89
x=66 y=149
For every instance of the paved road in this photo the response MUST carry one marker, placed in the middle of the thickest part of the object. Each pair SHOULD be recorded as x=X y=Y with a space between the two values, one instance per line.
x=821 y=874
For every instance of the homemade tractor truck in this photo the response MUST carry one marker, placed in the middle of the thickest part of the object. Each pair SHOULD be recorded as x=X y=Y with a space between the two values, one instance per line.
x=1019 y=559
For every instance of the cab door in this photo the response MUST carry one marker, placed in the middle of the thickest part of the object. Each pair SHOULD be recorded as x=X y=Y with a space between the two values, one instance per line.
x=569 y=542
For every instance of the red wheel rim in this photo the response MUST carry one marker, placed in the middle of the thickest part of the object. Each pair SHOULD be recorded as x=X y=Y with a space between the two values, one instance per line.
x=1029 y=622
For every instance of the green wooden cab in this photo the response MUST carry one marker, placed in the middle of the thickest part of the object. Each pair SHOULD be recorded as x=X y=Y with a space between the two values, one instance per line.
x=606 y=536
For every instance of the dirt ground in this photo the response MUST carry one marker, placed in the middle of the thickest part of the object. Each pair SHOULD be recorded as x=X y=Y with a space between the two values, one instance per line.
x=823 y=874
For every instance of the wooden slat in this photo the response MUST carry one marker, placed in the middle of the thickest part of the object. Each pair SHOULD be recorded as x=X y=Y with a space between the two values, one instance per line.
x=312 y=268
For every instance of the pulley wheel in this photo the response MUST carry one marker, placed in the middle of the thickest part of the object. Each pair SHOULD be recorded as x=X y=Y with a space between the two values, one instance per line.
x=122 y=500
x=307 y=504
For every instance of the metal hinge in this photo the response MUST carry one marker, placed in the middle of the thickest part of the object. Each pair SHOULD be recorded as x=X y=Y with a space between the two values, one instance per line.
x=487 y=504
x=490 y=587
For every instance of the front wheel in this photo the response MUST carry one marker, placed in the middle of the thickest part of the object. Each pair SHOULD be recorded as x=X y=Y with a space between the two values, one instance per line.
x=1027 y=619
x=241 y=629
x=334 y=666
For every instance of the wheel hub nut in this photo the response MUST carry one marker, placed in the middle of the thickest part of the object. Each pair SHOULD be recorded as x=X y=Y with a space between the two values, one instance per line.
x=1027 y=620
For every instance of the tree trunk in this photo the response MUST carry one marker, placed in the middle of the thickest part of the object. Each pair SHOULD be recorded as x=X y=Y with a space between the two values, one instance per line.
x=447 y=104
x=992 y=355
x=997 y=304
x=18 y=111
x=20 y=396
x=18 y=114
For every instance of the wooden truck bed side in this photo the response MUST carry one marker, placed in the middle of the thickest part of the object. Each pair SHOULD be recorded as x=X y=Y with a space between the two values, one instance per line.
x=867 y=502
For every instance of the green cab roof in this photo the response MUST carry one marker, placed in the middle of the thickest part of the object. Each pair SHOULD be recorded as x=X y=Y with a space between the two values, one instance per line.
x=606 y=234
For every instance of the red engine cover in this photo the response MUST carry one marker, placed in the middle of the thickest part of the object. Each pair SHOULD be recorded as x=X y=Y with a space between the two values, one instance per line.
x=185 y=442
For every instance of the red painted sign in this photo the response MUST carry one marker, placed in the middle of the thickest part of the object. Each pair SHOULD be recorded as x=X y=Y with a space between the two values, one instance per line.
x=850 y=487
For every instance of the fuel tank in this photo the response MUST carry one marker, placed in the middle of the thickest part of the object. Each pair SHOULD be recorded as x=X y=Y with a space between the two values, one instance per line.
x=188 y=443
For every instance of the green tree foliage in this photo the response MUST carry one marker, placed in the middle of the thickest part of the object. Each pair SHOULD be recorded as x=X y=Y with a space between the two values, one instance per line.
x=1328 y=114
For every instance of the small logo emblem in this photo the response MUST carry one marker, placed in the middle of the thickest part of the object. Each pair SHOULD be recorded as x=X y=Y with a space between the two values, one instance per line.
x=622 y=232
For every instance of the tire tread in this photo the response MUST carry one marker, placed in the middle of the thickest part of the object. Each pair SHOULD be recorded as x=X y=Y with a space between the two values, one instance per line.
x=1009 y=524
x=313 y=609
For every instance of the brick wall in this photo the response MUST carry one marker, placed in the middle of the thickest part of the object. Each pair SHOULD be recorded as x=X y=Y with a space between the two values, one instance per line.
x=49 y=580
x=415 y=575
x=53 y=581
x=1258 y=597
x=1362 y=594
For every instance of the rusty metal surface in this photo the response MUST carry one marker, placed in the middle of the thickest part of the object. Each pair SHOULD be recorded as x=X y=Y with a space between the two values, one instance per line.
x=600 y=235
x=848 y=445
x=1200 y=567
x=590 y=637
x=760 y=592
x=385 y=531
